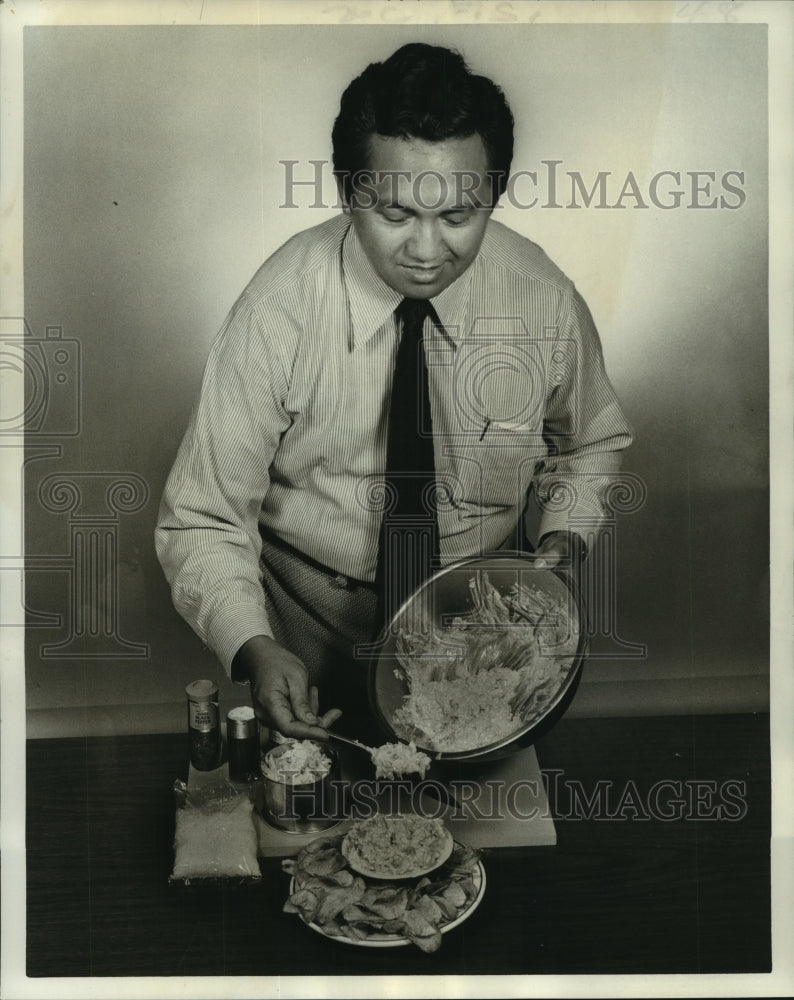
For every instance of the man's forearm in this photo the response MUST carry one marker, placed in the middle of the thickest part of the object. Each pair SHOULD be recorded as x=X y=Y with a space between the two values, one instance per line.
x=207 y=535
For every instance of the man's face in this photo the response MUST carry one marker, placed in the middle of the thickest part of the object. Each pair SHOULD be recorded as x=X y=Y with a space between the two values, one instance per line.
x=422 y=211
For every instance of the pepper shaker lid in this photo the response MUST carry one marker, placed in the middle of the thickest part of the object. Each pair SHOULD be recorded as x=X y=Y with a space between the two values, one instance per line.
x=201 y=690
x=241 y=722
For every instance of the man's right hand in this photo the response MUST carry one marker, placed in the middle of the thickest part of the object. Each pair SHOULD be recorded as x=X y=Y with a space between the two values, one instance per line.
x=279 y=689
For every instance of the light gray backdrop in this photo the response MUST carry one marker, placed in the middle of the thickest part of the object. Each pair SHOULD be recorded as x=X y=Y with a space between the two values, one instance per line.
x=152 y=193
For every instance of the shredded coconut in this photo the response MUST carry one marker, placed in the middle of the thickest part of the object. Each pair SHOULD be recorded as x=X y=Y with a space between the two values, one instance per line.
x=392 y=760
x=488 y=674
x=302 y=763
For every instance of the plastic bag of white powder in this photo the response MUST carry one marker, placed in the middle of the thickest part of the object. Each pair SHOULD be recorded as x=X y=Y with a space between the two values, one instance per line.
x=215 y=836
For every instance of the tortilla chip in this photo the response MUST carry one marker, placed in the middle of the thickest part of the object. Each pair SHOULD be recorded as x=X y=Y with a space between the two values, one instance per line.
x=448 y=910
x=463 y=859
x=428 y=944
x=416 y=923
x=387 y=901
x=421 y=932
x=343 y=877
x=396 y=926
x=304 y=902
x=320 y=885
x=325 y=861
x=357 y=930
x=429 y=909
x=335 y=929
x=364 y=930
x=468 y=886
x=353 y=912
x=337 y=899
x=454 y=894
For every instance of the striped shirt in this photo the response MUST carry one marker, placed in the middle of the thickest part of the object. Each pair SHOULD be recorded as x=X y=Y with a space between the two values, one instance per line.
x=289 y=431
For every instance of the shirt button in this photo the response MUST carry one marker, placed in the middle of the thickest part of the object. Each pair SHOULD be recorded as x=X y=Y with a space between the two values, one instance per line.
x=339 y=581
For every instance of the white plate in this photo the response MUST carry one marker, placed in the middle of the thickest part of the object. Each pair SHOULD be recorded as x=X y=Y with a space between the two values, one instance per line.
x=397 y=940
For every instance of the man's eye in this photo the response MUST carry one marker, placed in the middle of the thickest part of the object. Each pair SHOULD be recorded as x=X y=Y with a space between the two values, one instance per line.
x=456 y=220
x=394 y=215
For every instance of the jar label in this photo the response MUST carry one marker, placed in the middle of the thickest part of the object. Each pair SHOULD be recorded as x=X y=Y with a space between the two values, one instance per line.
x=203 y=716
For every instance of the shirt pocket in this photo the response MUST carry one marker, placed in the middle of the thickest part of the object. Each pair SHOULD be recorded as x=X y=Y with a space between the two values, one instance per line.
x=496 y=469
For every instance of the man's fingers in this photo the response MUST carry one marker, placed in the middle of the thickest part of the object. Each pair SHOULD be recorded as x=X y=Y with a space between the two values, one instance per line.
x=280 y=712
x=299 y=696
x=553 y=550
x=283 y=720
x=547 y=558
x=561 y=548
x=330 y=717
x=300 y=731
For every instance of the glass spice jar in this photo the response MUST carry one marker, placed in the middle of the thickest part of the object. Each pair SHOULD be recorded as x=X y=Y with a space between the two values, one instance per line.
x=203 y=725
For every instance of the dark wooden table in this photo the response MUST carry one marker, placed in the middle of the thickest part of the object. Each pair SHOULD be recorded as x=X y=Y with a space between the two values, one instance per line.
x=617 y=894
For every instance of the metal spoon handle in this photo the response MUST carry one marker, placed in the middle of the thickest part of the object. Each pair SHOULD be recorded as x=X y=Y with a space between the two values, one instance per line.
x=346 y=739
x=370 y=750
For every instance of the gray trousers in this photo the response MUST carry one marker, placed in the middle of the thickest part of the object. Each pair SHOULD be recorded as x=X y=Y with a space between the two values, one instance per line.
x=321 y=617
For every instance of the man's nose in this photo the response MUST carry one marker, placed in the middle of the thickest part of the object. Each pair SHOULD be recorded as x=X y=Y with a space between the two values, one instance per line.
x=424 y=244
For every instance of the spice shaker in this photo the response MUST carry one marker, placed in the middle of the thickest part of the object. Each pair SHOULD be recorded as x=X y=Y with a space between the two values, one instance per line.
x=203 y=725
x=242 y=737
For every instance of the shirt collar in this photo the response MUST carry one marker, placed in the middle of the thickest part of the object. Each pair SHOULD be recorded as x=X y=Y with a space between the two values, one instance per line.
x=372 y=301
x=450 y=305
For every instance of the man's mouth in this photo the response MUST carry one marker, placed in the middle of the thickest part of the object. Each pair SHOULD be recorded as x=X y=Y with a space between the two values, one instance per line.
x=423 y=272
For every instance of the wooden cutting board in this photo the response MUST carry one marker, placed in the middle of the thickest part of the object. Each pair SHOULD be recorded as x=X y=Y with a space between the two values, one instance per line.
x=499 y=803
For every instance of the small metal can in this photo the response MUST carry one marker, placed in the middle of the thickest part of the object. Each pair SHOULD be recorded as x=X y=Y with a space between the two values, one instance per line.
x=203 y=725
x=305 y=808
x=242 y=738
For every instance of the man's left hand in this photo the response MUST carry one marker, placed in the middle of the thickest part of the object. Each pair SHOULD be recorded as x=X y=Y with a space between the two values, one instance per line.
x=560 y=548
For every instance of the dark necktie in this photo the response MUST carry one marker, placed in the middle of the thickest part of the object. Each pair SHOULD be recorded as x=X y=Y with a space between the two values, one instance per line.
x=409 y=543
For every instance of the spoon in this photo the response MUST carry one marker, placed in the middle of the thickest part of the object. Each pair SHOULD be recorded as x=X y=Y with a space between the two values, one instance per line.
x=372 y=750
x=352 y=743
x=439 y=790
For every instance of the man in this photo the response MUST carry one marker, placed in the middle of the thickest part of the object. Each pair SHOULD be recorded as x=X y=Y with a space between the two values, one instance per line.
x=270 y=532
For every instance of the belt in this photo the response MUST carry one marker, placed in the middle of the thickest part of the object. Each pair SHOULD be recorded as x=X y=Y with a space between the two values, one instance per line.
x=341 y=580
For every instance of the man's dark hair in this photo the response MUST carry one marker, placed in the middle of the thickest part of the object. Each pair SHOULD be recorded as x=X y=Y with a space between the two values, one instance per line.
x=422 y=92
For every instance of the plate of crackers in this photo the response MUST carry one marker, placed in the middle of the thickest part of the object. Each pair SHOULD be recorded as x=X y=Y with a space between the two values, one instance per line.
x=336 y=900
